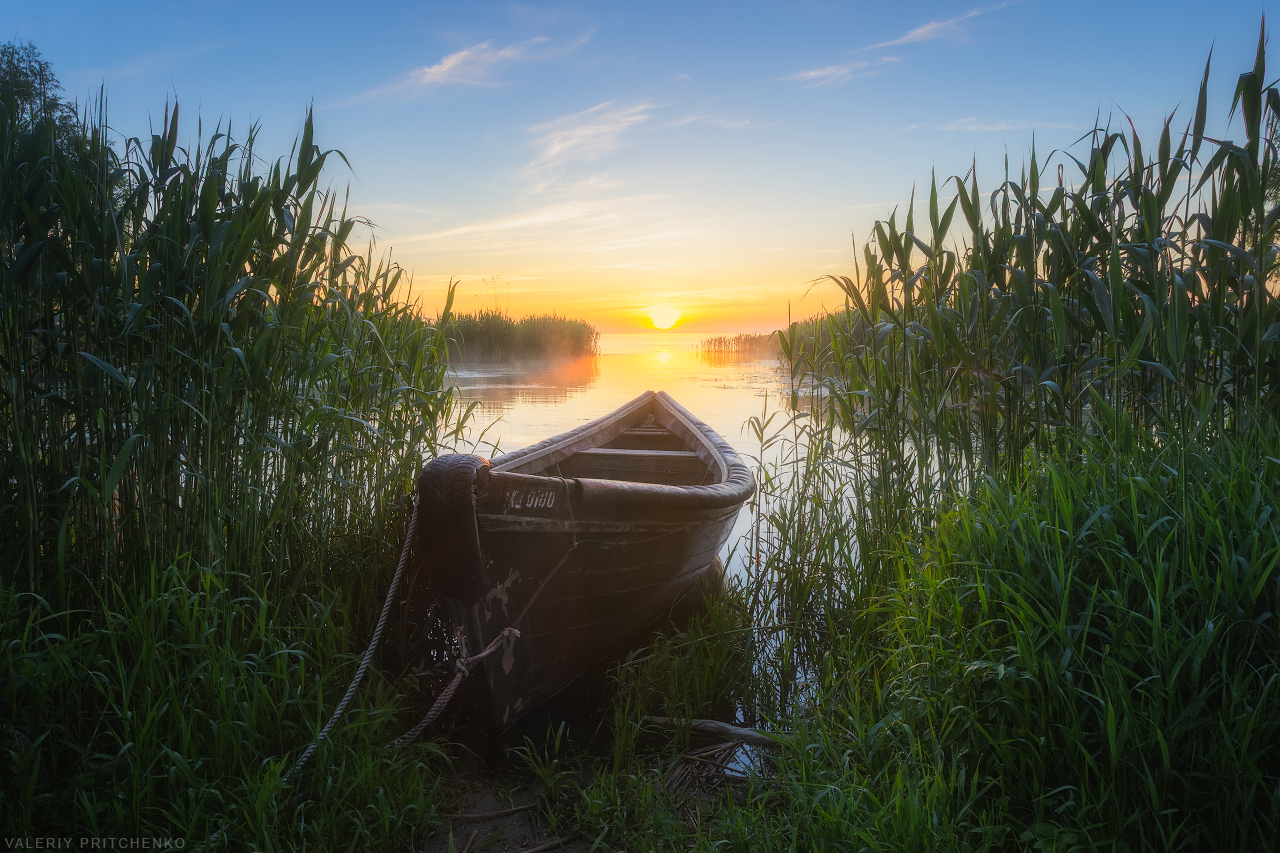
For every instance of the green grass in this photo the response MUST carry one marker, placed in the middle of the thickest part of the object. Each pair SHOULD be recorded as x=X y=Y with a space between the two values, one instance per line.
x=1097 y=643
x=212 y=411
x=493 y=335
x=1083 y=660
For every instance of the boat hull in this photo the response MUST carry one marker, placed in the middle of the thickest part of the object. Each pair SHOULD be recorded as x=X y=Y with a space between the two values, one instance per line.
x=577 y=566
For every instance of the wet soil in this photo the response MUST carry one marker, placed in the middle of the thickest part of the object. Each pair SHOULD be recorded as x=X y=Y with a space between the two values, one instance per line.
x=494 y=801
x=497 y=804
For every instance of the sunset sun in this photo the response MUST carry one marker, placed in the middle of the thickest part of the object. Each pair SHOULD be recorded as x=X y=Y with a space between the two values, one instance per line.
x=664 y=316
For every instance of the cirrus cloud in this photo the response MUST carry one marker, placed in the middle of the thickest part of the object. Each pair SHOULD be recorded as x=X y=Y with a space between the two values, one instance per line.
x=475 y=66
x=587 y=135
x=938 y=28
x=836 y=74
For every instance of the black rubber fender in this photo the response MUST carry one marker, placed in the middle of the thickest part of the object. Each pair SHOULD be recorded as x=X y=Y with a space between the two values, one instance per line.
x=448 y=535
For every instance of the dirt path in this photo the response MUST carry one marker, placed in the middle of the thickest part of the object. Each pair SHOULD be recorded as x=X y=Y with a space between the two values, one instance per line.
x=496 y=808
x=492 y=797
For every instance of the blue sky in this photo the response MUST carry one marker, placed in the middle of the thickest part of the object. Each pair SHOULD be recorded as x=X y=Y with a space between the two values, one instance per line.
x=602 y=158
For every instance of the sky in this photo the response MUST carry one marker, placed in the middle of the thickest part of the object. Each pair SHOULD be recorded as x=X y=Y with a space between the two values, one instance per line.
x=606 y=159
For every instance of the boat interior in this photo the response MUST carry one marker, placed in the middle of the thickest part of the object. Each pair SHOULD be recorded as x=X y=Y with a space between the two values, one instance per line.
x=641 y=443
x=642 y=454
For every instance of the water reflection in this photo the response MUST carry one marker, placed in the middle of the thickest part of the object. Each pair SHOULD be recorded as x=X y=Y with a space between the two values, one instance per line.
x=498 y=387
x=523 y=403
x=722 y=358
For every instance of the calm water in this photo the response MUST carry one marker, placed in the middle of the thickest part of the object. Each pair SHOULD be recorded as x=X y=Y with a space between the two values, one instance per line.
x=521 y=404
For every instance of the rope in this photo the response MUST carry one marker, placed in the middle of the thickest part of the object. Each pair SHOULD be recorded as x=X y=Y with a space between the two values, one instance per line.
x=463 y=666
x=368 y=655
x=355 y=682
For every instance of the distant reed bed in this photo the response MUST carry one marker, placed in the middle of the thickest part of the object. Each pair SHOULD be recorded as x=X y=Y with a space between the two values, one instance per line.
x=211 y=415
x=490 y=334
x=743 y=346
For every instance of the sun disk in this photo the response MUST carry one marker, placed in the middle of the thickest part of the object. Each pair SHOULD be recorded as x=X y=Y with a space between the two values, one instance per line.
x=664 y=316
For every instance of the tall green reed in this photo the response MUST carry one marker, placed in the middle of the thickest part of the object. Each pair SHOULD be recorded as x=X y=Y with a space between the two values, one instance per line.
x=1130 y=303
x=1099 y=353
x=1112 y=679
x=212 y=412
x=1013 y=583
x=1132 y=298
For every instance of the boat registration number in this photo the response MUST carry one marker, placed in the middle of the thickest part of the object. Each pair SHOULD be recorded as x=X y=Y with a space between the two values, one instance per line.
x=534 y=499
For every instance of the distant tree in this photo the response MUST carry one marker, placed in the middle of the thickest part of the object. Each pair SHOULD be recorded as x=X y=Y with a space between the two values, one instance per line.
x=28 y=82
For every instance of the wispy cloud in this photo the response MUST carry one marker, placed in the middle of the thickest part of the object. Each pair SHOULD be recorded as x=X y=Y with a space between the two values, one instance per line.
x=711 y=119
x=937 y=29
x=477 y=65
x=829 y=74
x=645 y=240
x=472 y=66
x=836 y=74
x=585 y=136
x=531 y=219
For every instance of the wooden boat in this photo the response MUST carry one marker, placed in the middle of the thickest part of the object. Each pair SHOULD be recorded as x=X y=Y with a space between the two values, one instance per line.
x=578 y=542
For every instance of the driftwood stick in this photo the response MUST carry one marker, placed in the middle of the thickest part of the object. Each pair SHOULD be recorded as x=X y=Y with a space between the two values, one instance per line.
x=719 y=729
x=488 y=815
x=551 y=845
x=688 y=756
x=470 y=840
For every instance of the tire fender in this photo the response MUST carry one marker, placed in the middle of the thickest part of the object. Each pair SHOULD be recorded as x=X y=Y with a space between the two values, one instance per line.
x=448 y=534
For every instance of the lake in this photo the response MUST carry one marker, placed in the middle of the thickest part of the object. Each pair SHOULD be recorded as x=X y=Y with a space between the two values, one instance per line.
x=520 y=404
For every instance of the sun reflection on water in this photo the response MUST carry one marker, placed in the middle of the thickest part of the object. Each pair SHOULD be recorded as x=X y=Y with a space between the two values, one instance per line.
x=521 y=404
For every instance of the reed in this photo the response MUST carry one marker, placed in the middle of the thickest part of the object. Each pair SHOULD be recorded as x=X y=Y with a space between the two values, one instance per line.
x=1053 y=665
x=743 y=346
x=212 y=411
x=1135 y=299
x=493 y=335
x=1011 y=585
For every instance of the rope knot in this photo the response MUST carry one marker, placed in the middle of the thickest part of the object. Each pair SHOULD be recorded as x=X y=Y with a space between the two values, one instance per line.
x=462 y=665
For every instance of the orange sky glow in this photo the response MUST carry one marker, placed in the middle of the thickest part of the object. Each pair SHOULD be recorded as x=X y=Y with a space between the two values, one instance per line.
x=624 y=301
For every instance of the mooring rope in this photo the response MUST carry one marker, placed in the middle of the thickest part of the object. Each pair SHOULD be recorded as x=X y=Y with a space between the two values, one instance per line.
x=463 y=665
x=368 y=655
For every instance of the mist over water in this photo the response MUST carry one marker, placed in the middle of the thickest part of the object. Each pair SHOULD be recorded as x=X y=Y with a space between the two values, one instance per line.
x=521 y=403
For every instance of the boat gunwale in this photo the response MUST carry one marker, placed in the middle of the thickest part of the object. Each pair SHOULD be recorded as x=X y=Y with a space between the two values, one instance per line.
x=736 y=483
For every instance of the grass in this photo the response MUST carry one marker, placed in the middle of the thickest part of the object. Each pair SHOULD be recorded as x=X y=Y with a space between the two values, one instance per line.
x=1084 y=659
x=492 y=335
x=213 y=409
